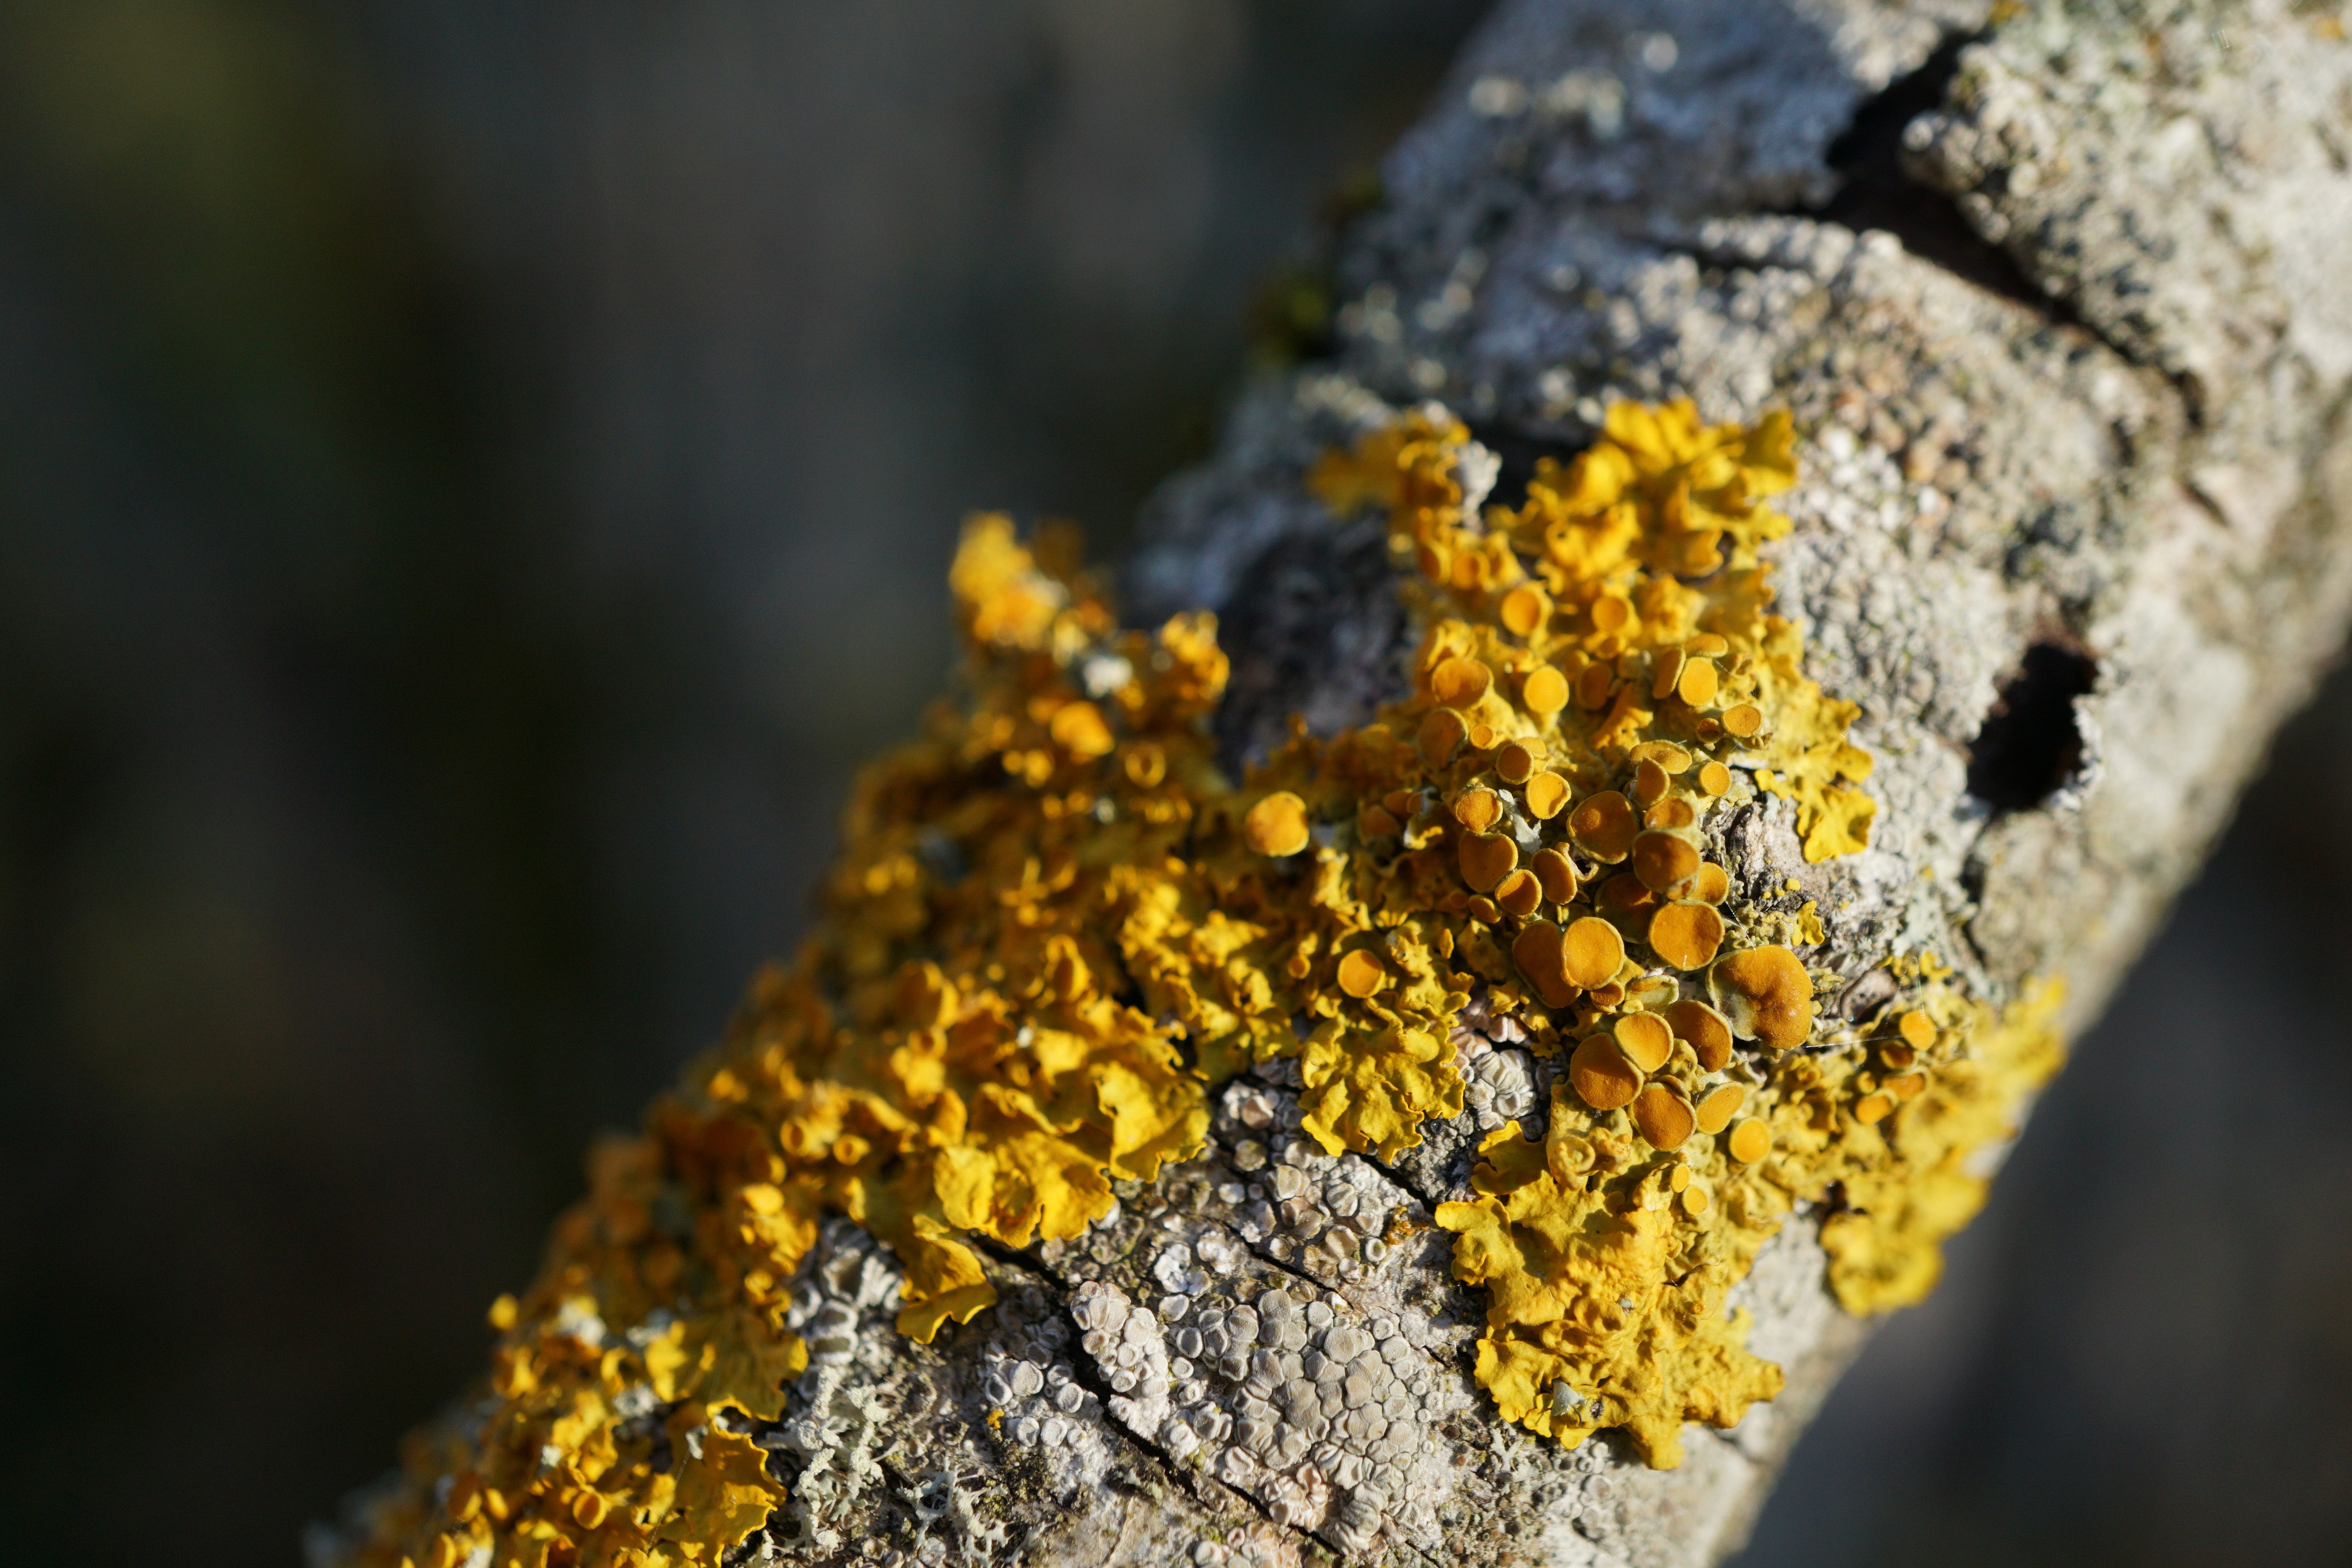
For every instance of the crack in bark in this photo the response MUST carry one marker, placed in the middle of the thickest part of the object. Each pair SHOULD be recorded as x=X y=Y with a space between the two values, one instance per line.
x=1090 y=1376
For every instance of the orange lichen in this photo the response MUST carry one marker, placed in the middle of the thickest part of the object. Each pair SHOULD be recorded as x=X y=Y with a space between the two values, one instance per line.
x=1602 y=1075
x=1592 y=951
x=1361 y=973
x=1708 y=1031
x=1555 y=873
x=1715 y=1112
x=1767 y=994
x=1604 y=826
x=1686 y=935
x=1665 y=859
x=1750 y=1141
x=1276 y=826
x=1679 y=693
x=1644 y=1038
x=1663 y=1116
x=1053 y=925
x=1546 y=792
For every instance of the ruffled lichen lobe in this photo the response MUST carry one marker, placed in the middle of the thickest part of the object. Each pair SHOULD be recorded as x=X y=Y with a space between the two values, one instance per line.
x=1055 y=927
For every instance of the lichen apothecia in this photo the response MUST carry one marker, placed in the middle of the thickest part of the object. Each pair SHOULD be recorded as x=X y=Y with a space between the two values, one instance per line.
x=1055 y=928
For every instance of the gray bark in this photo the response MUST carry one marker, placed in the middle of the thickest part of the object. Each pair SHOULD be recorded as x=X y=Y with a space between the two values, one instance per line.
x=2079 y=421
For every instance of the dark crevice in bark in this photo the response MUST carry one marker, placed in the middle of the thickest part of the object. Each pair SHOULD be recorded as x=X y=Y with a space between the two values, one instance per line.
x=1877 y=191
x=2031 y=743
x=1024 y=1258
x=1400 y=1178
x=1186 y=1479
x=1520 y=455
x=1259 y=1252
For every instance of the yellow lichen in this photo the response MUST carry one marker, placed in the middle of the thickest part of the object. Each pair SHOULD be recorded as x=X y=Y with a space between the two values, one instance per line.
x=1054 y=926
x=1684 y=692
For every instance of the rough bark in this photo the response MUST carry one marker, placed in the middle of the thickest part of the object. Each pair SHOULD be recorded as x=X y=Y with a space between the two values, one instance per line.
x=2076 y=468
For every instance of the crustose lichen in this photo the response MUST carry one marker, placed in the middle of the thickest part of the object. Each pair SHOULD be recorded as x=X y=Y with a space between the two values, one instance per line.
x=1054 y=927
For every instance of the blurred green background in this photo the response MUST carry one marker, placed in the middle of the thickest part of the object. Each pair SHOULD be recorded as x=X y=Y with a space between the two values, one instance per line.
x=473 y=477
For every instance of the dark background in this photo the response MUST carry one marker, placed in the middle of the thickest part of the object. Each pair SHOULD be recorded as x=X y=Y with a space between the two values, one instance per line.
x=473 y=477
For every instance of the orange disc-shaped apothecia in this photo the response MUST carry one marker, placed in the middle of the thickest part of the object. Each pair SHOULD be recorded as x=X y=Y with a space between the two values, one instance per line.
x=1697 y=682
x=1686 y=935
x=1602 y=1075
x=1540 y=952
x=1591 y=951
x=1485 y=860
x=1696 y=1202
x=1766 y=993
x=1711 y=884
x=1144 y=763
x=1649 y=785
x=1545 y=793
x=1515 y=763
x=1555 y=873
x=1525 y=609
x=1663 y=1117
x=1714 y=778
x=1744 y=721
x=1079 y=729
x=1665 y=860
x=1378 y=822
x=1644 y=1038
x=1749 y=1142
x=1276 y=825
x=1907 y=1086
x=1519 y=893
x=1716 y=1110
x=1594 y=686
x=1361 y=973
x=1458 y=683
x=1624 y=892
x=1917 y=1030
x=1673 y=812
x=1442 y=735
x=1543 y=692
x=1666 y=668
x=1478 y=809
x=1873 y=1108
x=1666 y=753
x=1708 y=1032
x=1604 y=826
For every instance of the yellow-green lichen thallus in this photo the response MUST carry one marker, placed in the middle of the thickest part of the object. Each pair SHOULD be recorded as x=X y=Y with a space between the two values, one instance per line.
x=1051 y=903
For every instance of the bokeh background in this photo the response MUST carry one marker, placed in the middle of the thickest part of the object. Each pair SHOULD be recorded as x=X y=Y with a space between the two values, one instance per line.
x=474 y=474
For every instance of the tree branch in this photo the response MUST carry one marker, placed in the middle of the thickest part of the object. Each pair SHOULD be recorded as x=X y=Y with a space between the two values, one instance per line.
x=2075 y=466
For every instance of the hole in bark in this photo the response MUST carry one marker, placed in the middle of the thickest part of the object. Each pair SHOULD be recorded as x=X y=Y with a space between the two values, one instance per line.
x=1877 y=194
x=2029 y=742
x=1520 y=454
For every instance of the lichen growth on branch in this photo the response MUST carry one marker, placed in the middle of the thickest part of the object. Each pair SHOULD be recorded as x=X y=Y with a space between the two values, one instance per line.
x=1055 y=927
